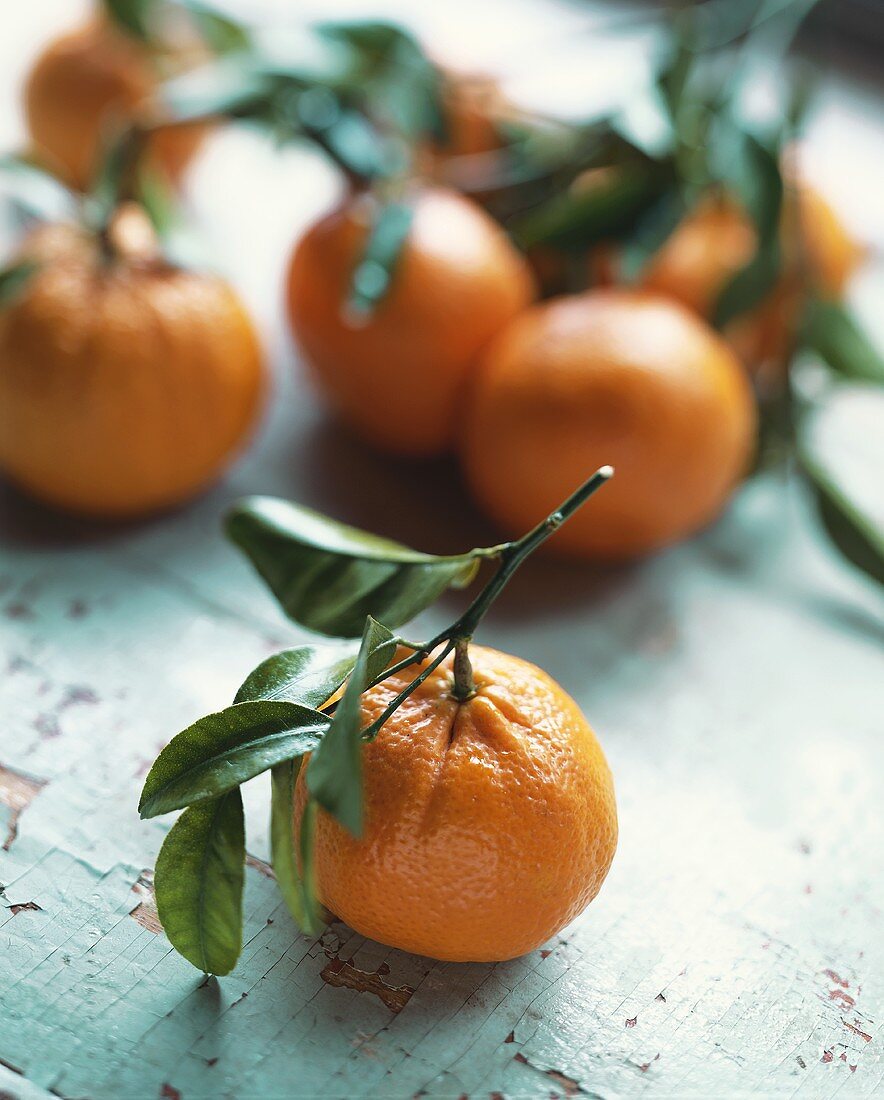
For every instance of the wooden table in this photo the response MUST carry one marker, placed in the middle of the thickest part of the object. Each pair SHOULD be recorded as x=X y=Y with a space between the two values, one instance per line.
x=736 y=683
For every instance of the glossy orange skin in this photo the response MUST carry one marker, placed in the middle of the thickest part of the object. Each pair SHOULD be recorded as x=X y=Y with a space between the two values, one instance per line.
x=614 y=377
x=90 y=80
x=397 y=378
x=489 y=824
x=716 y=241
x=125 y=387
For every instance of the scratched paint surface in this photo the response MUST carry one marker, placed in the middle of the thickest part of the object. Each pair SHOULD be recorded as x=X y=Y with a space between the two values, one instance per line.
x=737 y=685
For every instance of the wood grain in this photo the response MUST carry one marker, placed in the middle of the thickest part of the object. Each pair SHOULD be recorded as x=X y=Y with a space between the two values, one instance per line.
x=737 y=684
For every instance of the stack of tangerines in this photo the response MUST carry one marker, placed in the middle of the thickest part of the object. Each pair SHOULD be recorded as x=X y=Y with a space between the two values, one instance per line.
x=457 y=354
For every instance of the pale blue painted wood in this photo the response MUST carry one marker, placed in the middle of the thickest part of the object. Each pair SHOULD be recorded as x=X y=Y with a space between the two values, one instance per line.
x=737 y=684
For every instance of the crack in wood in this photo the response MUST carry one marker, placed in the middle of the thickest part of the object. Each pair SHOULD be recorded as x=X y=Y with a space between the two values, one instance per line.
x=569 y=1086
x=17 y=791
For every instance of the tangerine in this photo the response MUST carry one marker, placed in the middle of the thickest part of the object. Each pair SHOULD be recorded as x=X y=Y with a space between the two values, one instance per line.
x=717 y=239
x=397 y=377
x=126 y=384
x=489 y=824
x=619 y=376
x=91 y=78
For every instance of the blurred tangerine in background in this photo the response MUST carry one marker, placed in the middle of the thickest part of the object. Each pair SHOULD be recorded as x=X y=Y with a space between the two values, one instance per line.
x=93 y=80
x=398 y=376
x=668 y=261
x=628 y=375
x=126 y=384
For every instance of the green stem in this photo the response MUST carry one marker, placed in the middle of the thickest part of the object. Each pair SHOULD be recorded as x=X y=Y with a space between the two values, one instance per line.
x=457 y=636
x=515 y=553
x=372 y=731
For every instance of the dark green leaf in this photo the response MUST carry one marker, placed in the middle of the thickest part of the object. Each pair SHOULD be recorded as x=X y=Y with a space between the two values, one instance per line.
x=220 y=33
x=675 y=73
x=357 y=145
x=15 y=278
x=295 y=882
x=832 y=332
x=651 y=232
x=307 y=674
x=117 y=175
x=750 y=168
x=199 y=880
x=225 y=749
x=579 y=217
x=749 y=286
x=842 y=453
x=375 y=270
x=131 y=16
x=328 y=576
x=157 y=198
x=334 y=774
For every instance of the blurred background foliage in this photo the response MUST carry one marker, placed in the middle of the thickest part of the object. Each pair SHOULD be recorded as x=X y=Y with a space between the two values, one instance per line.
x=592 y=200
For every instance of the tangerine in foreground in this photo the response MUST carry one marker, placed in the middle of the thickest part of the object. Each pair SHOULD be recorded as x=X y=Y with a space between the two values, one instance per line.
x=489 y=824
x=611 y=375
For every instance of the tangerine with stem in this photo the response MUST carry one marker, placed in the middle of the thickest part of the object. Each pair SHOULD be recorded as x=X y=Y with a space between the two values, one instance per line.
x=479 y=773
x=397 y=377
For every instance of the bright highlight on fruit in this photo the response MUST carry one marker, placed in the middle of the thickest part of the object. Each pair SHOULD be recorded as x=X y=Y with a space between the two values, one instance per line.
x=441 y=798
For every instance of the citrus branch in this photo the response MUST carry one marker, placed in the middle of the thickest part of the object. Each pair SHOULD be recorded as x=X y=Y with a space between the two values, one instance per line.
x=457 y=637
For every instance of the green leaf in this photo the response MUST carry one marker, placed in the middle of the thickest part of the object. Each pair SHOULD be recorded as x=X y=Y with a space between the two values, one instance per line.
x=374 y=272
x=199 y=880
x=157 y=197
x=752 y=171
x=579 y=217
x=225 y=749
x=219 y=31
x=397 y=81
x=328 y=576
x=117 y=175
x=334 y=774
x=15 y=278
x=34 y=190
x=841 y=449
x=748 y=287
x=131 y=16
x=831 y=331
x=307 y=674
x=652 y=229
x=232 y=87
x=750 y=168
x=295 y=883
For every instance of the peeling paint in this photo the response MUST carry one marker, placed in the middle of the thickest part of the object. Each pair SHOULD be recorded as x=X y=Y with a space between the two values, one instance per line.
x=16 y=793
x=345 y=975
